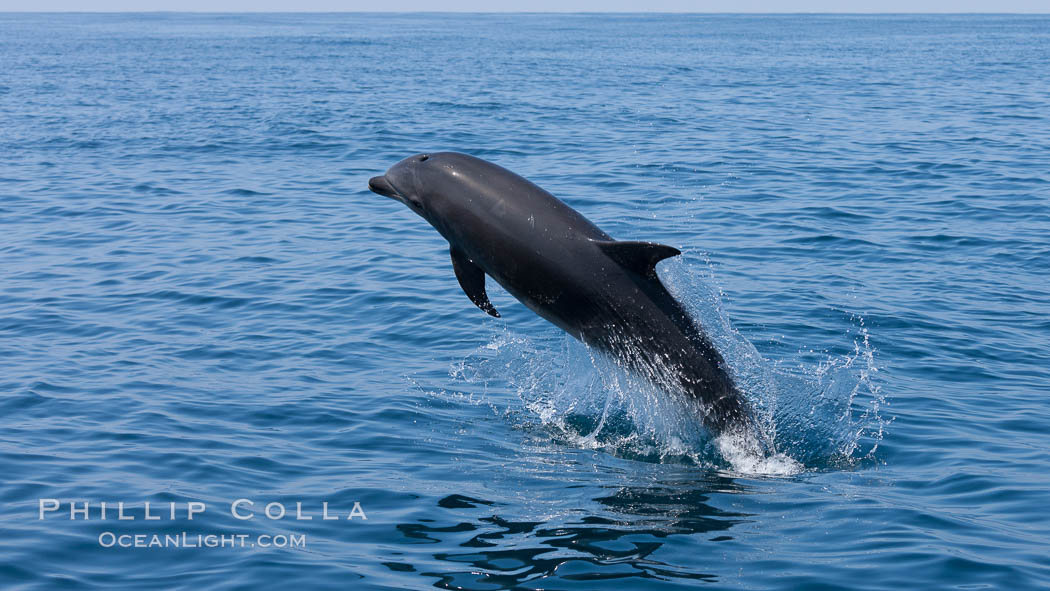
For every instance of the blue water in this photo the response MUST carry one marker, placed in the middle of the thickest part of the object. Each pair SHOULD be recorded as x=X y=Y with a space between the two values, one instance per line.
x=200 y=301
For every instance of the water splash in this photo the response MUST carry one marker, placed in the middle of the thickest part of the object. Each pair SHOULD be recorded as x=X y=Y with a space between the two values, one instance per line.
x=824 y=417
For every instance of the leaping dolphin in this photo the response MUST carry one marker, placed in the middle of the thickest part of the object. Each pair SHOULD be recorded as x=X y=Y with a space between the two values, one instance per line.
x=602 y=291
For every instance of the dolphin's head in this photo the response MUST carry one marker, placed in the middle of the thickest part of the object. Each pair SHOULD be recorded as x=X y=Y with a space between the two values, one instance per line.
x=405 y=181
x=432 y=185
x=422 y=182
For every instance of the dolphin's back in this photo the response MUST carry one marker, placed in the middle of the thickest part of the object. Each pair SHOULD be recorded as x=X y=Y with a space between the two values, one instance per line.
x=515 y=199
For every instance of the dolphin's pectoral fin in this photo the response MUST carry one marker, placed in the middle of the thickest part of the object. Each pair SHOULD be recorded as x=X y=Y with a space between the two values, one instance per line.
x=640 y=257
x=472 y=280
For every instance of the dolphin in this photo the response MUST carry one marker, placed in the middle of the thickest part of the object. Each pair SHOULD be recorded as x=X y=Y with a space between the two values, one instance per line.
x=604 y=292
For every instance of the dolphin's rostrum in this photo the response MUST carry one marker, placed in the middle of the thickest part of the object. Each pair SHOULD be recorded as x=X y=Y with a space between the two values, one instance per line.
x=602 y=291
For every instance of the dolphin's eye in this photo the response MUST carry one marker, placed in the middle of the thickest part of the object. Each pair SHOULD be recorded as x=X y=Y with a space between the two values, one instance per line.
x=424 y=157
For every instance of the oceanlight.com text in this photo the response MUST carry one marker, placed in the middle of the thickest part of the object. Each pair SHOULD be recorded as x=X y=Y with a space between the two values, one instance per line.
x=109 y=539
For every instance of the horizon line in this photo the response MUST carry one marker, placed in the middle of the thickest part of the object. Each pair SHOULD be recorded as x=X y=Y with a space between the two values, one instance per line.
x=454 y=11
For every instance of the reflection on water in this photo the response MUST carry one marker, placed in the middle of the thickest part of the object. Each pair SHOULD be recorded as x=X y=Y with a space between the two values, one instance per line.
x=619 y=538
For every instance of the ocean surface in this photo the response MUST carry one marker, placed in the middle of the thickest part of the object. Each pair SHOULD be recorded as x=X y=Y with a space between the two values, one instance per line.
x=201 y=303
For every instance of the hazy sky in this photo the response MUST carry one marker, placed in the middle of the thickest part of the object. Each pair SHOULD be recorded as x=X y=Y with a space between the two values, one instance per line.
x=536 y=5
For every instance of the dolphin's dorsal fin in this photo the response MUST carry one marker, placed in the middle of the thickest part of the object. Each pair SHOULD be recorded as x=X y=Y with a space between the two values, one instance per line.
x=640 y=257
x=472 y=280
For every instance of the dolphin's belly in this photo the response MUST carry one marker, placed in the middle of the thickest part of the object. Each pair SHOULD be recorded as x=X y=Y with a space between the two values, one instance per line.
x=590 y=298
x=646 y=331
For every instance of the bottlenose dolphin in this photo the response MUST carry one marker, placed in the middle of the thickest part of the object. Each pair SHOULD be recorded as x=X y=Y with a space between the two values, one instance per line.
x=602 y=291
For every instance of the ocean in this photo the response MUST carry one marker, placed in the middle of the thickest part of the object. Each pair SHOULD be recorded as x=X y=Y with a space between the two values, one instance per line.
x=203 y=308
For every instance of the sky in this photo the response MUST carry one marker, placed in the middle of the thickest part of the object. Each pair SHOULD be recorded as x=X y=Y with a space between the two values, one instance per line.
x=867 y=6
